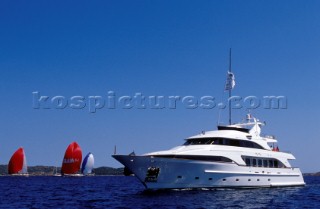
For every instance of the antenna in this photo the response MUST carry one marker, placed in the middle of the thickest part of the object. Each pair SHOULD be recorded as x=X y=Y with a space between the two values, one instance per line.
x=230 y=89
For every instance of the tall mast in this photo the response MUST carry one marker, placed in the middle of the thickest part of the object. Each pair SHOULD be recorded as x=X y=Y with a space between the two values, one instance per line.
x=230 y=89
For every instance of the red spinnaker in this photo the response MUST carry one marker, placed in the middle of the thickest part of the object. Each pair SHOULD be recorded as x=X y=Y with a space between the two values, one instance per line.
x=72 y=159
x=16 y=162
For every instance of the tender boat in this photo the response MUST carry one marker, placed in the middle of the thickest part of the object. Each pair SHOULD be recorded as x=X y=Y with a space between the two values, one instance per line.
x=72 y=160
x=234 y=155
x=18 y=164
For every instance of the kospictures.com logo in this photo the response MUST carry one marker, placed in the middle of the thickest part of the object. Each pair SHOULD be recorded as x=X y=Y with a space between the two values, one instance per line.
x=140 y=101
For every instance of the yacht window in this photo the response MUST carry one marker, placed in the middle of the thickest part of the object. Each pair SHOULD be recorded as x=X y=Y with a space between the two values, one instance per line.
x=235 y=143
x=265 y=163
x=246 y=144
x=254 y=162
x=271 y=163
x=208 y=141
x=250 y=144
x=281 y=165
x=220 y=141
x=200 y=141
x=223 y=141
x=248 y=162
x=257 y=146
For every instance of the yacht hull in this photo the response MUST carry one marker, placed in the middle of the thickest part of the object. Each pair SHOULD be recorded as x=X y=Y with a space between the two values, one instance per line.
x=170 y=173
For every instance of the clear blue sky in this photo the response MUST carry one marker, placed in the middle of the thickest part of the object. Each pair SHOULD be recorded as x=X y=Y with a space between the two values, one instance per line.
x=157 y=48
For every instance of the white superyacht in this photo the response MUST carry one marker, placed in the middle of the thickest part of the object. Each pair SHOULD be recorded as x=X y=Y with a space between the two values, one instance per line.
x=232 y=156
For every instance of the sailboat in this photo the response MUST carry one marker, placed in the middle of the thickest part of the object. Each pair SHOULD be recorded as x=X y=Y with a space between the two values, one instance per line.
x=87 y=164
x=72 y=160
x=18 y=164
x=55 y=172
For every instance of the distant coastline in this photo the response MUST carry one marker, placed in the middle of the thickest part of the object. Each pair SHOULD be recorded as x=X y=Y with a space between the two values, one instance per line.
x=51 y=170
x=312 y=174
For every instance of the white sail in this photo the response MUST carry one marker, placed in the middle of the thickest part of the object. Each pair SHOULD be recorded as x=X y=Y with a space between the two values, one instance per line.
x=87 y=164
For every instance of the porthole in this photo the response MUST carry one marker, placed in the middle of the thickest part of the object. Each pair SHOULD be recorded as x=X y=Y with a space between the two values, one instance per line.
x=179 y=177
x=249 y=179
x=224 y=179
x=210 y=179
x=237 y=179
x=196 y=178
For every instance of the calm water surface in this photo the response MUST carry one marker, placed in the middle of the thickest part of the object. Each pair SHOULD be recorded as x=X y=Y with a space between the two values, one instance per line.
x=127 y=192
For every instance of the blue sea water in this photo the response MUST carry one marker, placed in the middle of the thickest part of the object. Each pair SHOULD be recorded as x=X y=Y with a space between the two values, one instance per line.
x=127 y=192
